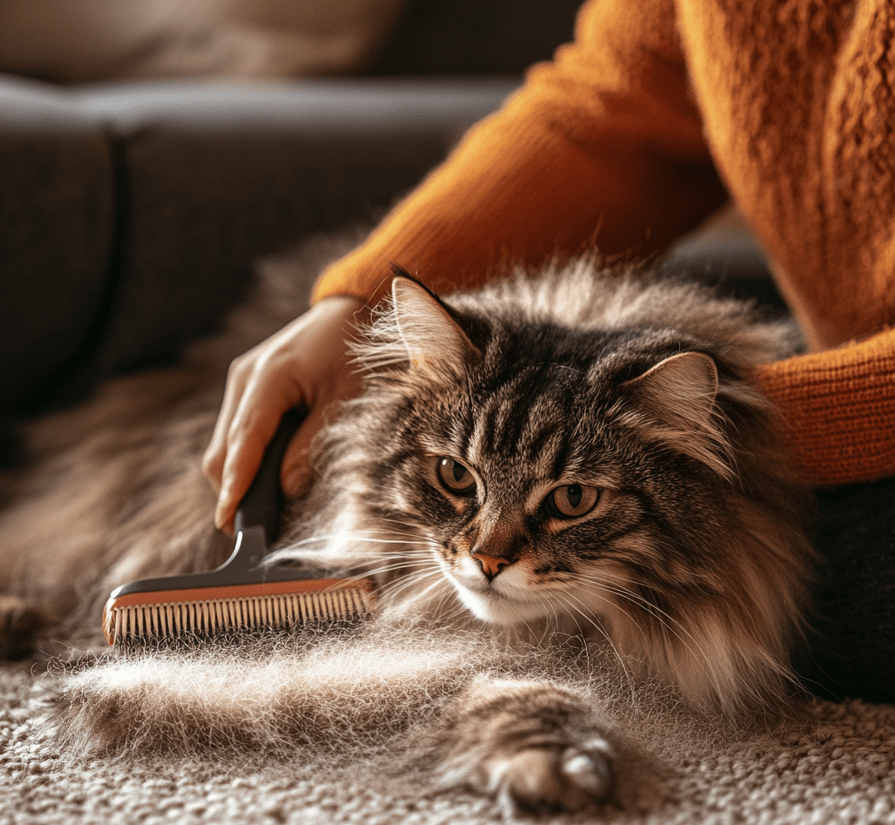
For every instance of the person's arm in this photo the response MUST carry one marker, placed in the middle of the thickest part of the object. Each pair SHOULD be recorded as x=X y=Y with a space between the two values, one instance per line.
x=839 y=409
x=602 y=147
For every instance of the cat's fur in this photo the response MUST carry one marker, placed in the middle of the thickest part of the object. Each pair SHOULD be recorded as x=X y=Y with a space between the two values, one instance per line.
x=575 y=456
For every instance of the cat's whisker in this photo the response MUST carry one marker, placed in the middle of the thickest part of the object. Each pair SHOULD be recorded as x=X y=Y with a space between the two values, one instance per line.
x=629 y=676
x=438 y=580
x=405 y=583
x=553 y=614
x=404 y=591
x=583 y=612
x=403 y=571
x=325 y=545
x=668 y=621
x=665 y=620
x=457 y=610
x=674 y=627
x=558 y=623
x=525 y=623
x=603 y=589
x=383 y=565
x=397 y=563
x=389 y=535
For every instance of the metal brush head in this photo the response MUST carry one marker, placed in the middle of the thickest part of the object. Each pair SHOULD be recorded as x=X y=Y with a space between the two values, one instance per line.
x=141 y=617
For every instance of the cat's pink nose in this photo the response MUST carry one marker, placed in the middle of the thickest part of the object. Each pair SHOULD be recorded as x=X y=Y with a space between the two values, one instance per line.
x=491 y=565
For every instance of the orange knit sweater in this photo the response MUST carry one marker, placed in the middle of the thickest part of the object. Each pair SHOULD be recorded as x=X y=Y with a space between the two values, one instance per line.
x=623 y=142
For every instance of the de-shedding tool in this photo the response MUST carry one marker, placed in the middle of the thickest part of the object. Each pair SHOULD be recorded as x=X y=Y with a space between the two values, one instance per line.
x=243 y=594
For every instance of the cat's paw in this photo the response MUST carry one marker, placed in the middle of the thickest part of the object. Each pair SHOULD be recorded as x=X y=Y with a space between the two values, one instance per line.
x=534 y=746
x=20 y=623
x=551 y=776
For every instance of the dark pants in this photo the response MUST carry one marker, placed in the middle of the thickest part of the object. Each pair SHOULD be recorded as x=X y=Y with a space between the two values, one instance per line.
x=851 y=649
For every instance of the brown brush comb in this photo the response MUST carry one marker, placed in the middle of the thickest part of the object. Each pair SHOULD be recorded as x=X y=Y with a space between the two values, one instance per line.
x=243 y=594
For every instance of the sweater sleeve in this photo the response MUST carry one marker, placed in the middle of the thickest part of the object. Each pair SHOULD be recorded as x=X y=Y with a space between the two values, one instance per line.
x=603 y=147
x=839 y=409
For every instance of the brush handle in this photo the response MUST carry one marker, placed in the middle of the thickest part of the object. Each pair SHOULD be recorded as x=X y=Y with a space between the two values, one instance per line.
x=257 y=524
x=263 y=502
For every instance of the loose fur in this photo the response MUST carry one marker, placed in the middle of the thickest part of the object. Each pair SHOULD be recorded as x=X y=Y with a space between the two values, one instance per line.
x=554 y=466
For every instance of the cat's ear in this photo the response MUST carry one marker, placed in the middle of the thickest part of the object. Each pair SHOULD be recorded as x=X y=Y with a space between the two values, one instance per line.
x=674 y=402
x=434 y=341
x=679 y=391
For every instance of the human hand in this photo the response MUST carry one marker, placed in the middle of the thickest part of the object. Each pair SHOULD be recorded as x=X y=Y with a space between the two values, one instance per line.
x=303 y=365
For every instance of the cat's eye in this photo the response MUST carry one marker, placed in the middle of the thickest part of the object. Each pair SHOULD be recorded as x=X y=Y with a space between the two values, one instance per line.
x=455 y=477
x=572 y=500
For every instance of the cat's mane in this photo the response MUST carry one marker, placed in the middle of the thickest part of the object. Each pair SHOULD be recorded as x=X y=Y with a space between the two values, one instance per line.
x=731 y=652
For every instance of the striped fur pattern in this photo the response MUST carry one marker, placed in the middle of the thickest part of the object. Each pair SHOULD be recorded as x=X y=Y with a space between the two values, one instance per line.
x=538 y=475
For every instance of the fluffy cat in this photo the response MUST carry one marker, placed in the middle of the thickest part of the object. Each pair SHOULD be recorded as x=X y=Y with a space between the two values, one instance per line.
x=551 y=463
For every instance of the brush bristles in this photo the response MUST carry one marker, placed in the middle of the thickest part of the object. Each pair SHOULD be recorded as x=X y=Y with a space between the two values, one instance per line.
x=137 y=623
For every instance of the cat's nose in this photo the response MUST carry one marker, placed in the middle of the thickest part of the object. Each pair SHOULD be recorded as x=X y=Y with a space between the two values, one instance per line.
x=491 y=565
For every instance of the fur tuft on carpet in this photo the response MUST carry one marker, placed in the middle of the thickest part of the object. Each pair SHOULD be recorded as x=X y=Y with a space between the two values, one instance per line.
x=836 y=768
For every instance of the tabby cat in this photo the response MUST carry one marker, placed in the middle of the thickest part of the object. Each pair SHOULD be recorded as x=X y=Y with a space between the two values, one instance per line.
x=574 y=456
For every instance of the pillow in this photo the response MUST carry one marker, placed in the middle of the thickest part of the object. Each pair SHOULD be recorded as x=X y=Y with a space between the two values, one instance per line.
x=85 y=40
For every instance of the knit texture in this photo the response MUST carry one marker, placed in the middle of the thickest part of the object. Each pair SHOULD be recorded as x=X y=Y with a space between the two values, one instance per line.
x=623 y=141
x=848 y=396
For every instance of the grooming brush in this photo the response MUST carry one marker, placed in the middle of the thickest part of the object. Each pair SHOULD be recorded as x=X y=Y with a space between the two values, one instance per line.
x=243 y=594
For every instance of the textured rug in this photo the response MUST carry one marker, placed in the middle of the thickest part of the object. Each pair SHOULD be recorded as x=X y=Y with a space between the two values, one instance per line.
x=837 y=768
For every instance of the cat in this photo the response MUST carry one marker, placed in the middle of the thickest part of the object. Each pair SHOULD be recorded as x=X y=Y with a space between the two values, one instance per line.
x=552 y=462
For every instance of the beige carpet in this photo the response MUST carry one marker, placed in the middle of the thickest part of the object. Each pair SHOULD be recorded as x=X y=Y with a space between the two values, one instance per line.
x=839 y=769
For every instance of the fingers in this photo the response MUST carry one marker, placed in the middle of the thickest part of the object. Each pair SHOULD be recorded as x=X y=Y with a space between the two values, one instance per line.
x=260 y=388
x=265 y=398
x=303 y=365
x=242 y=460
x=216 y=452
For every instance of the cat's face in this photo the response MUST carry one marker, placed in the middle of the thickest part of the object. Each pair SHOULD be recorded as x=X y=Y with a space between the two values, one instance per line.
x=525 y=470
x=521 y=505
